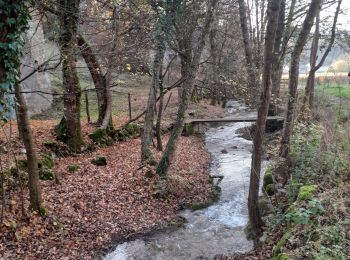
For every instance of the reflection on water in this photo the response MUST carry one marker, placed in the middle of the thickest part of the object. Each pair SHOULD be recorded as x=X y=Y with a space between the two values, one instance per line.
x=217 y=229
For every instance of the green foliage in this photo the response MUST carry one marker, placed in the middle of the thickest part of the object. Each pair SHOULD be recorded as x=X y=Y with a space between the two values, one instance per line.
x=302 y=215
x=268 y=178
x=46 y=175
x=307 y=192
x=73 y=168
x=280 y=244
x=18 y=15
x=342 y=91
x=46 y=161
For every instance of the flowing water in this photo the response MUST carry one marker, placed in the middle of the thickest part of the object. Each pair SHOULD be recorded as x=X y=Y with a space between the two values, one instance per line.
x=218 y=229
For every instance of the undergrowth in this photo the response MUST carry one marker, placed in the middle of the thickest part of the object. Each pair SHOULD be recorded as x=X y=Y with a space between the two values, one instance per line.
x=313 y=207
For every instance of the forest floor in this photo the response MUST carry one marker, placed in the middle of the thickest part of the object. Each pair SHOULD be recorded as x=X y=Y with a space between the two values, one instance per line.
x=90 y=208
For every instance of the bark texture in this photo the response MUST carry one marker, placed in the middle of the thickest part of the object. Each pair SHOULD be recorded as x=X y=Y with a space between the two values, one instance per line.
x=147 y=135
x=97 y=75
x=310 y=85
x=253 y=78
x=27 y=138
x=294 y=76
x=69 y=18
x=270 y=35
x=190 y=57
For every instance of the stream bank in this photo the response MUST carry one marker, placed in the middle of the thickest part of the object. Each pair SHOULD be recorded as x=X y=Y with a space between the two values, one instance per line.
x=218 y=229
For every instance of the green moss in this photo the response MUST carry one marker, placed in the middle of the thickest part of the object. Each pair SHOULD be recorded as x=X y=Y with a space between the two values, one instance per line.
x=46 y=162
x=97 y=135
x=188 y=129
x=268 y=179
x=281 y=257
x=46 y=175
x=61 y=130
x=99 y=161
x=214 y=196
x=307 y=192
x=52 y=145
x=43 y=211
x=270 y=189
x=277 y=249
x=72 y=168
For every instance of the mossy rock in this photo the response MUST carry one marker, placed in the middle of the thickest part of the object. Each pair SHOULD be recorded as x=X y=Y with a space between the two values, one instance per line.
x=101 y=137
x=264 y=206
x=99 y=161
x=307 y=192
x=46 y=162
x=268 y=179
x=277 y=249
x=281 y=257
x=73 y=168
x=270 y=189
x=46 y=175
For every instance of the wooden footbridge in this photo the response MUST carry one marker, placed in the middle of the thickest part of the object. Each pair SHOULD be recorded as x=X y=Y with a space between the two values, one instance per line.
x=275 y=122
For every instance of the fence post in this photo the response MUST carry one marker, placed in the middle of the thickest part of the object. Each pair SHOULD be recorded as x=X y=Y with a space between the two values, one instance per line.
x=129 y=100
x=87 y=106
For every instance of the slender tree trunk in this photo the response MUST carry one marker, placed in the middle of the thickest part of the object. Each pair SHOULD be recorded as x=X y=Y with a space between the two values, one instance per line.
x=190 y=58
x=254 y=214
x=97 y=77
x=107 y=122
x=147 y=136
x=276 y=78
x=69 y=17
x=313 y=58
x=253 y=80
x=310 y=85
x=159 y=117
x=27 y=138
x=277 y=64
x=294 y=76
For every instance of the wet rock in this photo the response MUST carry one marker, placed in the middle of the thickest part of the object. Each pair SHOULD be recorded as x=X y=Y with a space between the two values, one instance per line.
x=234 y=147
x=224 y=151
x=99 y=161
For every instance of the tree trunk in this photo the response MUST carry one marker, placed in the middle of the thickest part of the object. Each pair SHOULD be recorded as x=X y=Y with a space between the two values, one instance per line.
x=97 y=77
x=294 y=76
x=254 y=214
x=310 y=85
x=69 y=17
x=147 y=135
x=190 y=58
x=277 y=64
x=169 y=151
x=27 y=138
x=107 y=122
x=287 y=31
x=253 y=80
x=159 y=117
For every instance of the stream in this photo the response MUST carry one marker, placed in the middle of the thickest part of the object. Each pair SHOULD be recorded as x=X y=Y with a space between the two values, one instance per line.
x=218 y=229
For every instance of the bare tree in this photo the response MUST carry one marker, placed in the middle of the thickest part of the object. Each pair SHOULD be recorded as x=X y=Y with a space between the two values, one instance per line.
x=27 y=138
x=253 y=76
x=97 y=75
x=270 y=36
x=294 y=76
x=310 y=84
x=190 y=51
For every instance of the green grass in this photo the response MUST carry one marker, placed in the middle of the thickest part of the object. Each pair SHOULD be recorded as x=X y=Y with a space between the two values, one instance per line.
x=342 y=90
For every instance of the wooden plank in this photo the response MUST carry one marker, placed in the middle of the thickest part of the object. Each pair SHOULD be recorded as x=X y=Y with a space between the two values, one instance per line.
x=229 y=119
